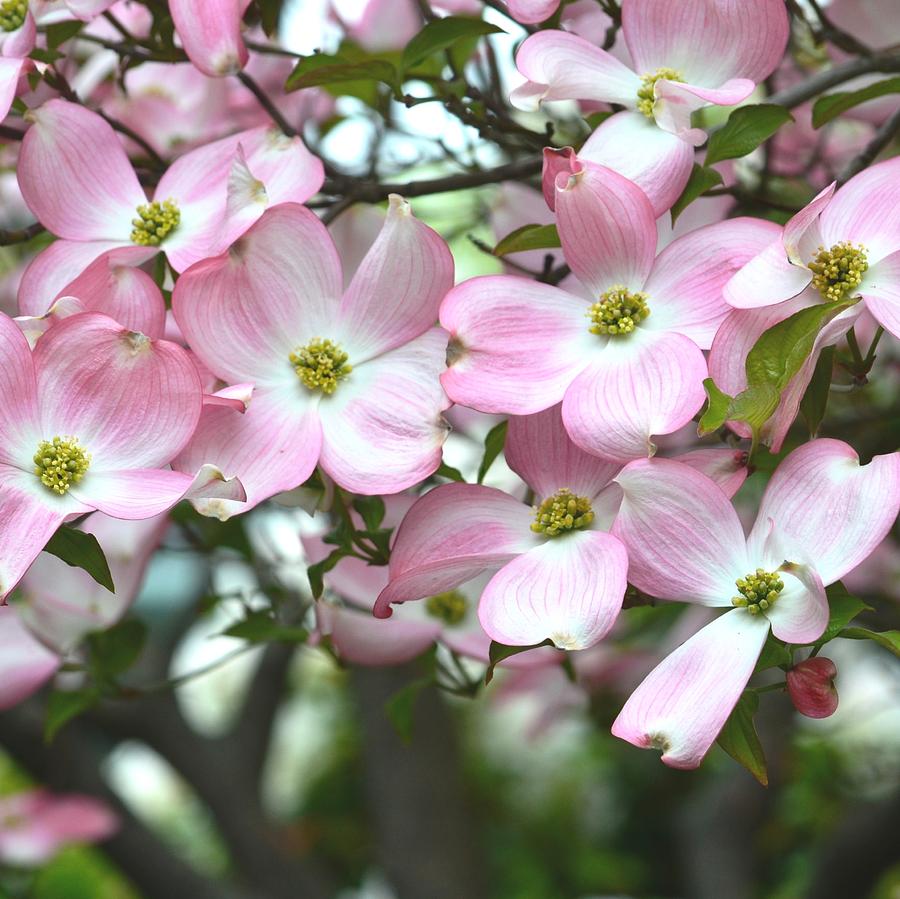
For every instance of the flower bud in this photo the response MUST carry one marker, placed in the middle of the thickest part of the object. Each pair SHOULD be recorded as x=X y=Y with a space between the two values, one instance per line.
x=810 y=684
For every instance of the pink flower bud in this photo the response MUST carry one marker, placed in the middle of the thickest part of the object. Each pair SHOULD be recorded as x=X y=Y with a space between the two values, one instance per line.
x=811 y=687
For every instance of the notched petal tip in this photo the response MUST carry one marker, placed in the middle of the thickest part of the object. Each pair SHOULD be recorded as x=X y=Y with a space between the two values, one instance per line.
x=398 y=205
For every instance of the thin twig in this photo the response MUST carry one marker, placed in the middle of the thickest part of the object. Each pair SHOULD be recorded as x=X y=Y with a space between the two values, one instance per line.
x=267 y=104
x=883 y=136
x=20 y=235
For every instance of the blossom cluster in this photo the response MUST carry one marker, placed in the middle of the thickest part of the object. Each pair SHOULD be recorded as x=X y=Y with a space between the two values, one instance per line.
x=202 y=336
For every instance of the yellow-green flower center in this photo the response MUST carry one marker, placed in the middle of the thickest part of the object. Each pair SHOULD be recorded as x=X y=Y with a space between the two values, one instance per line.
x=155 y=222
x=60 y=462
x=758 y=591
x=838 y=271
x=320 y=365
x=562 y=512
x=12 y=14
x=646 y=94
x=450 y=607
x=618 y=311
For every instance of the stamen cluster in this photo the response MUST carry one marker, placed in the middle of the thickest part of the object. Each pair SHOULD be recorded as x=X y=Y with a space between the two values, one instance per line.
x=563 y=511
x=320 y=365
x=450 y=606
x=757 y=591
x=12 y=14
x=839 y=270
x=154 y=223
x=60 y=462
x=618 y=311
x=646 y=95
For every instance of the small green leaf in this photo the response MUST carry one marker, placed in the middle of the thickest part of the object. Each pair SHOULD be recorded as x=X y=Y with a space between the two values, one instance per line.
x=774 y=655
x=270 y=15
x=716 y=412
x=61 y=32
x=448 y=471
x=815 y=401
x=46 y=56
x=746 y=128
x=63 y=706
x=117 y=649
x=371 y=508
x=890 y=640
x=441 y=34
x=498 y=652
x=528 y=237
x=322 y=69
x=261 y=627
x=832 y=105
x=81 y=550
x=493 y=446
x=739 y=739
x=702 y=179
x=399 y=708
x=843 y=608
x=316 y=573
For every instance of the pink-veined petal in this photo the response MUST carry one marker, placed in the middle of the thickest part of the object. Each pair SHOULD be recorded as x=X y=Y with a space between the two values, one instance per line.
x=727 y=467
x=828 y=510
x=515 y=345
x=75 y=176
x=244 y=312
x=20 y=421
x=530 y=12
x=800 y=613
x=676 y=102
x=11 y=71
x=19 y=43
x=539 y=450
x=25 y=663
x=802 y=233
x=397 y=289
x=642 y=384
x=881 y=291
x=607 y=229
x=767 y=279
x=450 y=535
x=563 y=66
x=684 y=539
x=382 y=429
x=680 y=707
x=211 y=34
x=568 y=590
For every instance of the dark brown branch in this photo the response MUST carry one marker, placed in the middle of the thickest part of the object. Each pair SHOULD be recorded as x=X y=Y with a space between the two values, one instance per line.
x=20 y=235
x=8 y=133
x=267 y=104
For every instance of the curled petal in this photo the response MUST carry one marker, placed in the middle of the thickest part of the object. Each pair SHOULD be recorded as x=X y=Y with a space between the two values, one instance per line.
x=767 y=279
x=802 y=233
x=676 y=102
x=211 y=34
x=881 y=291
x=727 y=467
x=800 y=613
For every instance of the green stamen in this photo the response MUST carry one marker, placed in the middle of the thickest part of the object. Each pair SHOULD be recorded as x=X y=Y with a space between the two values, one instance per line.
x=619 y=311
x=758 y=591
x=12 y=14
x=60 y=462
x=562 y=512
x=154 y=223
x=320 y=365
x=646 y=94
x=838 y=271
x=450 y=607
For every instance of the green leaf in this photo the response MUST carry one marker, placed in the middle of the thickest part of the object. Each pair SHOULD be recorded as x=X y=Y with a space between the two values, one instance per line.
x=46 y=56
x=702 y=179
x=448 y=471
x=528 y=237
x=774 y=655
x=261 y=627
x=815 y=401
x=371 y=508
x=117 y=649
x=270 y=15
x=716 y=412
x=843 y=608
x=441 y=34
x=493 y=446
x=316 y=573
x=61 y=32
x=399 y=708
x=739 y=739
x=498 y=652
x=63 y=706
x=746 y=128
x=81 y=550
x=322 y=69
x=890 y=640
x=832 y=105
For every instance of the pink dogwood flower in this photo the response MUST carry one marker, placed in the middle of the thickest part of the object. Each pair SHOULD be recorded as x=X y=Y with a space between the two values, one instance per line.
x=35 y=825
x=344 y=378
x=622 y=349
x=91 y=417
x=210 y=33
x=821 y=515
x=559 y=574
x=685 y=56
x=78 y=181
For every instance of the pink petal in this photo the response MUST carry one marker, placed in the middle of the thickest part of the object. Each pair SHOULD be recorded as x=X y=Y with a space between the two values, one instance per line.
x=802 y=233
x=828 y=510
x=727 y=467
x=25 y=664
x=211 y=34
x=607 y=229
x=131 y=401
x=688 y=277
x=634 y=146
x=515 y=345
x=530 y=12
x=11 y=71
x=556 y=163
x=382 y=429
x=397 y=289
x=643 y=384
x=19 y=43
x=767 y=279
x=680 y=707
x=451 y=534
x=684 y=539
x=20 y=421
x=75 y=176
x=539 y=450
x=800 y=614
x=244 y=312
x=881 y=290
x=569 y=590
x=707 y=41
x=563 y=66
x=676 y=102
x=272 y=447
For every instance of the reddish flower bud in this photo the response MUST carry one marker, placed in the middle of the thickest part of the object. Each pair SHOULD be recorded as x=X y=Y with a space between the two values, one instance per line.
x=811 y=687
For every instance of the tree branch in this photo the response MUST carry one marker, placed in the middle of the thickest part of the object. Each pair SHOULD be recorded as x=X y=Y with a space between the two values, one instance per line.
x=20 y=235
x=883 y=136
